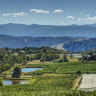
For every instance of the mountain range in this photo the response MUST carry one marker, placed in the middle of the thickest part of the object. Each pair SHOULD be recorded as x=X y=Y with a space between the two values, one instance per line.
x=80 y=46
x=75 y=38
x=34 y=30
x=64 y=43
x=22 y=41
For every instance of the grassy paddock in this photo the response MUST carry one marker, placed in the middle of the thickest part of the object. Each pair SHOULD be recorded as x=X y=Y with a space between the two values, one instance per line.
x=72 y=67
x=64 y=68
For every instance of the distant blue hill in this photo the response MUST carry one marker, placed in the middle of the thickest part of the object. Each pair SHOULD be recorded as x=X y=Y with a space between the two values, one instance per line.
x=65 y=43
x=22 y=41
x=34 y=30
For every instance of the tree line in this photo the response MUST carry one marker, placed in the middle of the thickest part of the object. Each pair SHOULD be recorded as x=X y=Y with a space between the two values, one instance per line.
x=10 y=57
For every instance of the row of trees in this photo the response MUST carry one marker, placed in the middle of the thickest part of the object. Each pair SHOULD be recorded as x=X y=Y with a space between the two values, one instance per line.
x=90 y=55
x=31 y=50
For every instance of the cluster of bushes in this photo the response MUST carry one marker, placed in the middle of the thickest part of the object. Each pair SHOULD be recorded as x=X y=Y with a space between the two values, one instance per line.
x=65 y=59
x=7 y=61
x=88 y=56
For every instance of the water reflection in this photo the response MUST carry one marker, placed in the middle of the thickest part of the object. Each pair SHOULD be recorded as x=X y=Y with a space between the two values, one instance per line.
x=30 y=69
x=13 y=82
x=25 y=70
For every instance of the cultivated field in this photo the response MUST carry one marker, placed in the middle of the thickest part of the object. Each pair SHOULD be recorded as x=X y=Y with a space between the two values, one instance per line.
x=55 y=85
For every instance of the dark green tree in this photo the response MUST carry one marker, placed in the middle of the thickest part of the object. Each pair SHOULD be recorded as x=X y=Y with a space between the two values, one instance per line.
x=1 y=83
x=60 y=61
x=16 y=72
x=65 y=58
x=42 y=59
x=71 y=56
x=78 y=72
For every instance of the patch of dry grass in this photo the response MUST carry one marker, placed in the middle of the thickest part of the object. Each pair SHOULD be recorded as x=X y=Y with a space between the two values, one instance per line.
x=70 y=59
x=56 y=74
x=34 y=62
x=38 y=62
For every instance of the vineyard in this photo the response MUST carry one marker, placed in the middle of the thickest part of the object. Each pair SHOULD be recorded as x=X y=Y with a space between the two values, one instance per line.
x=56 y=79
x=40 y=86
x=64 y=68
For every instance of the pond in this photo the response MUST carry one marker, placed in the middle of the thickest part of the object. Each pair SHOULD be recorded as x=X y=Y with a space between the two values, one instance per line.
x=30 y=69
x=13 y=82
x=75 y=55
x=25 y=70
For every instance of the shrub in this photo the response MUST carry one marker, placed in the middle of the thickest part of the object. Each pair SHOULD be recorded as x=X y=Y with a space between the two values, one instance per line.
x=1 y=83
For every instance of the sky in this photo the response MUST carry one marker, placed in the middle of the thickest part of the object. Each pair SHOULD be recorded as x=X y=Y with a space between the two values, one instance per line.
x=48 y=12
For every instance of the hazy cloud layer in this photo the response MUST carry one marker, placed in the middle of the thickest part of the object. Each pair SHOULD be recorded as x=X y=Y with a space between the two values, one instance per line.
x=15 y=14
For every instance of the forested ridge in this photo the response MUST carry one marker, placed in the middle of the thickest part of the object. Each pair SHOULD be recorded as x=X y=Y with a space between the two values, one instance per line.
x=10 y=57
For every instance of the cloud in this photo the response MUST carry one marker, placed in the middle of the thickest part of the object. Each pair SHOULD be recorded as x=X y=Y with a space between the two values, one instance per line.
x=70 y=17
x=58 y=11
x=39 y=11
x=92 y=18
x=15 y=14
x=19 y=14
x=88 y=18
x=7 y=14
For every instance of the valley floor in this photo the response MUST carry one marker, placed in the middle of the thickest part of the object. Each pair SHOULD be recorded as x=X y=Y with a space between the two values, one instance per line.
x=56 y=79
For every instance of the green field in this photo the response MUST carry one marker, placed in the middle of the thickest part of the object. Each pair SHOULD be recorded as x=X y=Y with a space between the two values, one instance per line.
x=64 y=68
x=56 y=79
x=41 y=85
x=72 y=67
